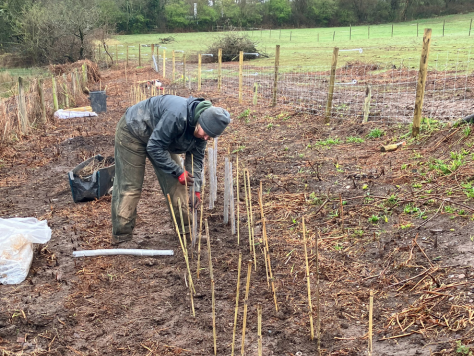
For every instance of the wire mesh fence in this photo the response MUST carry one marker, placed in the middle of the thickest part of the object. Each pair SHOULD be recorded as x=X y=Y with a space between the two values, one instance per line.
x=380 y=91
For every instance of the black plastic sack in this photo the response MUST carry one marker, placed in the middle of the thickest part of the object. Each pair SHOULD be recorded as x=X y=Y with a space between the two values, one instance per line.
x=92 y=186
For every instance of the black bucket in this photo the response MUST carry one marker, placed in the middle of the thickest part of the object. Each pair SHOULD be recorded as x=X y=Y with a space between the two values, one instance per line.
x=98 y=101
x=95 y=185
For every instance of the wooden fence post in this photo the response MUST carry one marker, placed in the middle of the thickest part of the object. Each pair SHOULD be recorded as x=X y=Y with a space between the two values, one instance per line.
x=84 y=75
x=241 y=67
x=127 y=54
x=255 y=93
x=55 y=95
x=318 y=37
x=73 y=83
x=219 y=69
x=368 y=96
x=392 y=29
x=420 y=86
x=350 y=32
x=291 y=32
x=164 y=63
x=116 y=54
x=199 y=70
x=78 y=80
x=41 y=101
x=275 y=79
x=331 y=84
x=173 y=65
x=22 y=107
x=139 y=55
x=153 y=52
x=184 y=70
x=65 y=90
x=470 y=27
x=333 y=36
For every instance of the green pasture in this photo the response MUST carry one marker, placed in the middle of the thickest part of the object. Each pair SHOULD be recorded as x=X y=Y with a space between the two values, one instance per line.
x=300 y=47
x=9 y=79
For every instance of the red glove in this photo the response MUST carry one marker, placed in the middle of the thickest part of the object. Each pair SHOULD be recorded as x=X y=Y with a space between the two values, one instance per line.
x=186 y=178
x=198 y=194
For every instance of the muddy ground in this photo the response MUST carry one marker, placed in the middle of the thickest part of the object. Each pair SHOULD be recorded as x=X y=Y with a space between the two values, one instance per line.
x=398 y=224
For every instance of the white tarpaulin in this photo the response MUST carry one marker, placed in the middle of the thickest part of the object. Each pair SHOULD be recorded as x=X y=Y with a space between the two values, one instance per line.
x=69 y=114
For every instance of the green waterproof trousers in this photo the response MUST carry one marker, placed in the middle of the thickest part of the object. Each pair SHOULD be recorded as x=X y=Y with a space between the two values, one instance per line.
x=130 y=156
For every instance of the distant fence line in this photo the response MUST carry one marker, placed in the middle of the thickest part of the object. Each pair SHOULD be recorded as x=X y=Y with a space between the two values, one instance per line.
x=372 y=92
x=368 y=92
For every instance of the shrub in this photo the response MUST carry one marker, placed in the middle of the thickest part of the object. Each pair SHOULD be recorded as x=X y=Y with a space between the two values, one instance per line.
x=232 y=43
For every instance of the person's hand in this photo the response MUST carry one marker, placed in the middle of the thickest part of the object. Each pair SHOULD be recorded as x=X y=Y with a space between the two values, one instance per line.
x=196 y=202
x=186 y=178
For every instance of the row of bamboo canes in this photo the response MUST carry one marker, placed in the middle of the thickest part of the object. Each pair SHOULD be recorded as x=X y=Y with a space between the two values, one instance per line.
x=251 y=264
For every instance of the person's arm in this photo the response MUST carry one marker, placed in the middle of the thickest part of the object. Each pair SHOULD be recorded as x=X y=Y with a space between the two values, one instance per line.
x=166 y=131
x=198 y=158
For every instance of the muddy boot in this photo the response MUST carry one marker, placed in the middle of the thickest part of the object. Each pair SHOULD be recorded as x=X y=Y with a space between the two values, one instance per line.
x=119 y=239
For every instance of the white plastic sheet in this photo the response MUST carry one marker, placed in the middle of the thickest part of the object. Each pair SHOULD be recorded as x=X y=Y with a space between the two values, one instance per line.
x=17 y=236
x=66 y=114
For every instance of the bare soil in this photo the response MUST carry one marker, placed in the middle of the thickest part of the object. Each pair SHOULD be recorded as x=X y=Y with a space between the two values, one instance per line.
x=404 y=232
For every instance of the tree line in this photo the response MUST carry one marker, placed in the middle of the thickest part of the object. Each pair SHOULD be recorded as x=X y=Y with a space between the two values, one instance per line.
x=46 y=31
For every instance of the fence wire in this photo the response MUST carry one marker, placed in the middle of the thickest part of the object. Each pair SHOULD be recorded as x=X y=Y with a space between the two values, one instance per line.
x=389 y=87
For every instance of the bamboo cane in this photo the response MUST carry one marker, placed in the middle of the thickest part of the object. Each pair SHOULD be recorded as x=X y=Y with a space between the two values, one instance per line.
x=259 y=328
x=264 y=234
x=193 y=197
x=264 y=231
x=238 y=201
x=318 y=320
x=248 y=213
x=342 y=212
x=211 y=272
x=246 y=301
x=212 y=287
x=200 y=227
x=214 y=316
x=271 y=276
x=185 y=253
x=236 y=303
x=310 y=306
x=251 y=220
x=187 y=207
x=371 y=308
x=182 y=221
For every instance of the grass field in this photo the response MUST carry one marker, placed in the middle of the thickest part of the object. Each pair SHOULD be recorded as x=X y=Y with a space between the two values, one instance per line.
x=303 y=49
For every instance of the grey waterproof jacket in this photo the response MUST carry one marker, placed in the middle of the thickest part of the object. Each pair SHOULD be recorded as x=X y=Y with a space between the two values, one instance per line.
x=166 y=124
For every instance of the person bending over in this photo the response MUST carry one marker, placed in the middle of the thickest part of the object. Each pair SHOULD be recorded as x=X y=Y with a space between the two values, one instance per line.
x=161 y=128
